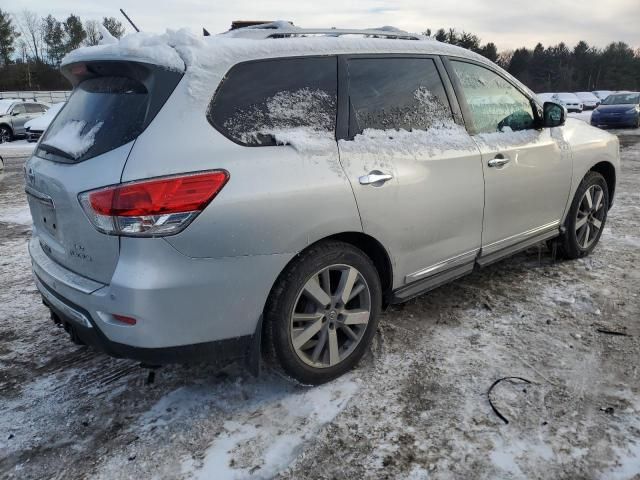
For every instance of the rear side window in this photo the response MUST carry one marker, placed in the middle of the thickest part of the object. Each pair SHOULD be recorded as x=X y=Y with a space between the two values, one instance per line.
x=495 y=104
x=103 y=113
x=396 y=93
x=34 y=108
x=258 y=100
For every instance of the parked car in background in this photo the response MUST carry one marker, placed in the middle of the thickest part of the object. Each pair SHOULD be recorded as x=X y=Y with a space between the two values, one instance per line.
x=34 y=128
x=602 y=94
x=14 y=114
x=310 y=182
x=568 y=100
x=618 y=110
x=588 y=99
x=545 y=97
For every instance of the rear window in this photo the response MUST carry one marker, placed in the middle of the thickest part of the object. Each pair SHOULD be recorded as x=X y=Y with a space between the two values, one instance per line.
x=260 y=99
x=103 y=113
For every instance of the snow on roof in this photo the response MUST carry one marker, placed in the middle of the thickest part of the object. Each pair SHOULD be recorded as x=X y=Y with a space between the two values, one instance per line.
x=177 y=49
x=206 y=59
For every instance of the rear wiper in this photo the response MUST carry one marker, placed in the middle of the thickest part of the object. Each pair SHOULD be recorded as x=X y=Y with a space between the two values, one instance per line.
x=56 y=151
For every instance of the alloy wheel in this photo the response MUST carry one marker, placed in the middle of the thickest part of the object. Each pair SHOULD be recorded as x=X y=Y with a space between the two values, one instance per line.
x=330 y=316
x=590 y=216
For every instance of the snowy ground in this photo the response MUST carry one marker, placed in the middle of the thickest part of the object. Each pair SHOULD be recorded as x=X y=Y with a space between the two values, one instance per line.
x=415 y=408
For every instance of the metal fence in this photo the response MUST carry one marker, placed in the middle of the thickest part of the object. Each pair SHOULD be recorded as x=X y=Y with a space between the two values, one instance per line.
x=48 y=97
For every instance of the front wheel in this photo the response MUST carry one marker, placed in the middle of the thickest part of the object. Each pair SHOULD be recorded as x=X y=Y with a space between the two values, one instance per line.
x=322 y=313
x=6 y=135
x=586 y=217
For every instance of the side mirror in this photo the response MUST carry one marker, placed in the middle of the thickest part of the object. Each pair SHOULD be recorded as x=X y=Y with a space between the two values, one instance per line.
x=15 y=114
x=554 y=115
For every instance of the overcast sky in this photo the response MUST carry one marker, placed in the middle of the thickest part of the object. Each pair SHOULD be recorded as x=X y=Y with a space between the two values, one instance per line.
x=508 y=23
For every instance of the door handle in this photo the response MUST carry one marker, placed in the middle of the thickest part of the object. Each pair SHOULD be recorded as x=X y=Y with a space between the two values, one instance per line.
x=375 y=178
x=498 y=161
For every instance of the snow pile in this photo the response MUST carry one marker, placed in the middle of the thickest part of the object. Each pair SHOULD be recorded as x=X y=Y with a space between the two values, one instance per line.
x=71 y=139
x=433 y=141
x=141 y=46
x=303 y=118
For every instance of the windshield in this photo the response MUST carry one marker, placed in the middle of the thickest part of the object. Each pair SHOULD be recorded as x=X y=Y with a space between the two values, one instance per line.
x=101 y=114
x=5 y=105
x=622 y=99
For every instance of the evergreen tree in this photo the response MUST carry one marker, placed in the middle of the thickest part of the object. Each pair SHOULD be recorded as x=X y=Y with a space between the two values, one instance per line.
x=114 y=27
x=74 y=32
x=8 y=35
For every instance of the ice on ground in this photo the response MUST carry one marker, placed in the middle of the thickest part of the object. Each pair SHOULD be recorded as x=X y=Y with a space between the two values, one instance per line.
x=18 y=214
x=72 y=139
x=17 y=148
x=267 y=439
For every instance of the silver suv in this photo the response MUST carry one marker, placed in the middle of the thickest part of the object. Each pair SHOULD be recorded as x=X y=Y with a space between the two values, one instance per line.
x=270 y=190
x=14 y=113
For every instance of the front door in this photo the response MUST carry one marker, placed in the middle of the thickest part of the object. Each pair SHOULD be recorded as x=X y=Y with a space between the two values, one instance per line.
x=527 y=170
x=416 y=174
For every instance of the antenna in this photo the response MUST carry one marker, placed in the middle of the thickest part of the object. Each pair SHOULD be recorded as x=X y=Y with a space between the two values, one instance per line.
x=129 y=20
x=205 y=32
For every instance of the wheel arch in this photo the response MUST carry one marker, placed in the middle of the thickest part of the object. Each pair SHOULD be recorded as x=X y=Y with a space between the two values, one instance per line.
x=608 y=171
x=4 y=124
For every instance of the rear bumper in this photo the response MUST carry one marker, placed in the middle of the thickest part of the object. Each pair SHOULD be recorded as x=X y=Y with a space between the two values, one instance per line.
x=186 y=309
x=83 y=330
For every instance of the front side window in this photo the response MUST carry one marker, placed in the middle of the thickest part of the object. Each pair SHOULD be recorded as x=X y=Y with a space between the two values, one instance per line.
x=396 y=94
x=495 y=104
x=258 y=101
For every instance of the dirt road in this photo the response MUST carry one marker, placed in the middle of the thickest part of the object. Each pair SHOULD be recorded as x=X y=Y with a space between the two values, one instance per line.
x=415 y=408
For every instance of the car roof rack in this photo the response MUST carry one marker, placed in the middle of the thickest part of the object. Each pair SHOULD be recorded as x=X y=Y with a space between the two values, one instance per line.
x=283 y=29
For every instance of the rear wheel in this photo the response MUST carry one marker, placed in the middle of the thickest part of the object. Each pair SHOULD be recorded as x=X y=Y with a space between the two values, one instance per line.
x=322 y=313
x=6 y=135
x=586 y=218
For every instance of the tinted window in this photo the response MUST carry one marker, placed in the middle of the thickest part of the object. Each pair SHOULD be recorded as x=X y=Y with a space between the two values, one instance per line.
x=396 y=93
x=494 y=102
x=18 y=109
x=259 y=99
x=34 y=108
x=101 y=114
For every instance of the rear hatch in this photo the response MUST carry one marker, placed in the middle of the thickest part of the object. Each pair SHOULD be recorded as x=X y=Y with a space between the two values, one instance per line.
x=86 y=147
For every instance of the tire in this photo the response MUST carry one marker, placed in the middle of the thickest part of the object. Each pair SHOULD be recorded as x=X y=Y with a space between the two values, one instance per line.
x=6 y=135
x=586 y=219
x=331 y=336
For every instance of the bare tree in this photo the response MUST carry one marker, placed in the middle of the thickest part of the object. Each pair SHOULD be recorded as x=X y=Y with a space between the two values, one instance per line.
x=93 y=32
x=30 y=27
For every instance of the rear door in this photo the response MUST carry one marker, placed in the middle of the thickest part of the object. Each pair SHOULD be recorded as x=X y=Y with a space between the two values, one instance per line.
x=19 y=117
x=86 y=147
x=416 y=174
x=527 y=170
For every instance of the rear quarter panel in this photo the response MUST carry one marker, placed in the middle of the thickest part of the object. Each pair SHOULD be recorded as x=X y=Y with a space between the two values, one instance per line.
x=278 y=199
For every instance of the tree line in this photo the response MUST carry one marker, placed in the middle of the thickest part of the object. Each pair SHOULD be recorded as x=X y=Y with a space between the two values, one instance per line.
x=32 y=47
x=558 y=68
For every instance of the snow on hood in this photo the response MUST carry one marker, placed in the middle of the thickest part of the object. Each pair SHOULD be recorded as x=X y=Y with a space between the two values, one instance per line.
x=41 y=123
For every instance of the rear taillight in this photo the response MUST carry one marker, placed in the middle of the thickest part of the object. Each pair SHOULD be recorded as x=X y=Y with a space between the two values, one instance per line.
x=152 y=208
